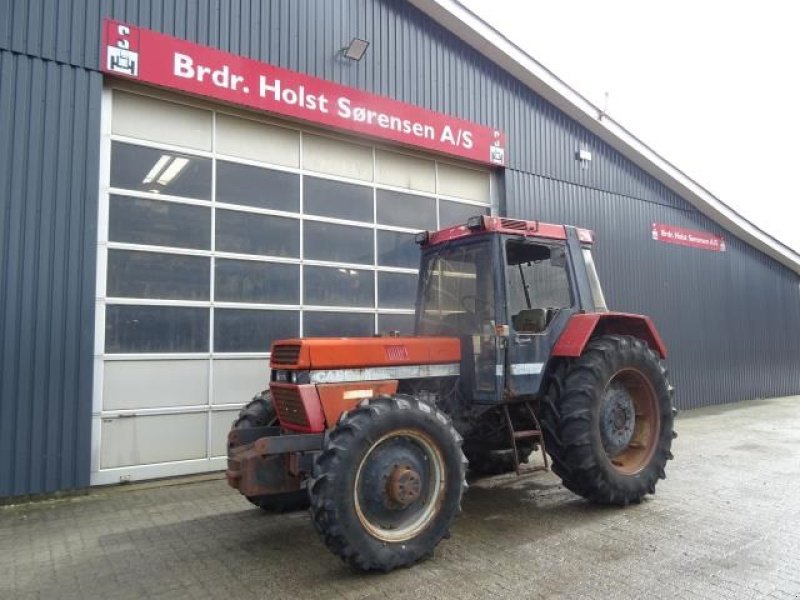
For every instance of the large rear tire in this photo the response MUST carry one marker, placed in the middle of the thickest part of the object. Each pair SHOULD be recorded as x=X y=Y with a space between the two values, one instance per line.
x=608 y=422
x=387 y=483
x=260 y=412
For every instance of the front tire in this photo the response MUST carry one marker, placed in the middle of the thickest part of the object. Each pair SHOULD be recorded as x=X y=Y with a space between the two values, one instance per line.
x=387 y=483
x=609 y=428
x=260 y=412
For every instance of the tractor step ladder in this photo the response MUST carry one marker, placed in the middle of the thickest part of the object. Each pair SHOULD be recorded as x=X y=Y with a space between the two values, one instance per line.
x=526 y=434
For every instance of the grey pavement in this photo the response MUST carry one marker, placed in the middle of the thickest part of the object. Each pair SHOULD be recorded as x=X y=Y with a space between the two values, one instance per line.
x=725 y=524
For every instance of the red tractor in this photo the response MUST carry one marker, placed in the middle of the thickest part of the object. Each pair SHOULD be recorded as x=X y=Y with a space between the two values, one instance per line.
x=514 y=350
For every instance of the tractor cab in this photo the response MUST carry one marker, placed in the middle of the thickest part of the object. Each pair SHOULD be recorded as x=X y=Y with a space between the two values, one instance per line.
x=506 y=289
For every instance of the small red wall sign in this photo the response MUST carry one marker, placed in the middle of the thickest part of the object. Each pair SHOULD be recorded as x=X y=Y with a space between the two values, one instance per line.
x=151 y=57
x=669 y=234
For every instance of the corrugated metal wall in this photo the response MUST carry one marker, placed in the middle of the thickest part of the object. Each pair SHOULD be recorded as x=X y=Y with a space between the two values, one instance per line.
x=731 y=320
x=49 y=145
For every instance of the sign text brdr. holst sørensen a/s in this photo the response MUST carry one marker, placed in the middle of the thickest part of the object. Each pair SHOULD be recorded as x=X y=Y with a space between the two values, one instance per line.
x=169 y=62
x=184 y=66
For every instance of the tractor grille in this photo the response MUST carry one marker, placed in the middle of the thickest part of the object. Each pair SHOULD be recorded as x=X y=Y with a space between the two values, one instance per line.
x=286 y=355
x=289 y=406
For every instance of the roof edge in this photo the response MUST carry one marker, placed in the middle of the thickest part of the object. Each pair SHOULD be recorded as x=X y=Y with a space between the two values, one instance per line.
x=477 y=33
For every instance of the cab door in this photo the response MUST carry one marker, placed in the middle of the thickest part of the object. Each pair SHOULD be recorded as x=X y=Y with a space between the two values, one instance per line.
x=539 y=302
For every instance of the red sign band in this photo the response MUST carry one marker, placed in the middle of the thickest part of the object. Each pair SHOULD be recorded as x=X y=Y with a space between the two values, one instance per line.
x=669 y=234
x=151 y=57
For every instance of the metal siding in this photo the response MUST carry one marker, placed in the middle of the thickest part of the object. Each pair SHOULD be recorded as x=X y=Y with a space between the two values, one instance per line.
x=731 y=313
x=730 y=319
x=49 y=130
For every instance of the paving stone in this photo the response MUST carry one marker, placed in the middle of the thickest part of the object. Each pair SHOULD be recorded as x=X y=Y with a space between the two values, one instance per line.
x=724 y=525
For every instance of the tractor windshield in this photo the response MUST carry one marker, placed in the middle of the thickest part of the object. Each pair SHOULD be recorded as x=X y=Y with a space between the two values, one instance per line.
x=457 y=286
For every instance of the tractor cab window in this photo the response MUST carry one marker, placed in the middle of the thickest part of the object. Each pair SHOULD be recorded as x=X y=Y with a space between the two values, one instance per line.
x=538 y=284
x=457 y=291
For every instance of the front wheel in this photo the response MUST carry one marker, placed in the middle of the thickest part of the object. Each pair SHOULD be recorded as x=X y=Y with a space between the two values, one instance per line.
x=387 y=483
x=609 y=430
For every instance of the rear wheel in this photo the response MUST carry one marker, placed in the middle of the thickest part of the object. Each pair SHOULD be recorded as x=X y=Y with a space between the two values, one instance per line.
x=610 y=431
x=260 y=412
x=388 y=483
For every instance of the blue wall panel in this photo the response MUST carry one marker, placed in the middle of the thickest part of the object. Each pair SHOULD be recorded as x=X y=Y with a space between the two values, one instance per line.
x=49 y=140
x=730 y=319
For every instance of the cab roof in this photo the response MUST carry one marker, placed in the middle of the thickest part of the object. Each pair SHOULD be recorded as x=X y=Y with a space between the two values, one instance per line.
x=482 y=224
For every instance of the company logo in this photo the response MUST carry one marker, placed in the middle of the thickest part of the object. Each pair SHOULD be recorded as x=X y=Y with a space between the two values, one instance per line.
x=122 y=57
x=497 y=154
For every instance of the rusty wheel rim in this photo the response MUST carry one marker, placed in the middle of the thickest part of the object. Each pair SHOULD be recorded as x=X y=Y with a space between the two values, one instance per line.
x=629 y=421
x=398 y=493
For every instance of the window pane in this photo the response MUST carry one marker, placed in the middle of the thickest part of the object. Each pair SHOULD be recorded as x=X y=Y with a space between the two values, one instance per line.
x=254 y=186
x=156 y=329
x=406 y=210
x=248 y=233
x=397 y=250
x=338 y=286
x=157 y=275
x=342 y=243
x=402 y=323
x=159 y=223
x=336 y=199
x=538 y=285
x=160 y=171
x=397 y=290
x=251 y=281
x=455 y=213
x=336 y=324
x=238 y=330
x=459 y=289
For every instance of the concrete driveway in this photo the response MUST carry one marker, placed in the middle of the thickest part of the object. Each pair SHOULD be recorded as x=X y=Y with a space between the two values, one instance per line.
x=725 y=524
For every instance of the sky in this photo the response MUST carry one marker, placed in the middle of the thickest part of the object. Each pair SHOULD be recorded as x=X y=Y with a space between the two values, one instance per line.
x=712 y=86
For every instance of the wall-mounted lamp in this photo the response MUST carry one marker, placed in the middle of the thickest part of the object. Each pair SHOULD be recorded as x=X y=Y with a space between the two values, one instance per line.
x=356 y=49
x=584 y=156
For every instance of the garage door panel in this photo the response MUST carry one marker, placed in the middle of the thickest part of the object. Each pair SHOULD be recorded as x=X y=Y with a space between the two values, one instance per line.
x=158 y=121
x=402 y=170
x=220 y=426
x=143 y=440
x=257 y=141
x=130 y=385
x=236 y=381
x=461 y=182
x=335 y=157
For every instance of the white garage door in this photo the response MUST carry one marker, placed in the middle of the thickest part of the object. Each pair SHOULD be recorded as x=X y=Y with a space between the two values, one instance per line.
x=219 y=233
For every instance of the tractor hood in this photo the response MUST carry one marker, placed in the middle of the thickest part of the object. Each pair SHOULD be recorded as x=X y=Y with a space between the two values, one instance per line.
x=342 y=353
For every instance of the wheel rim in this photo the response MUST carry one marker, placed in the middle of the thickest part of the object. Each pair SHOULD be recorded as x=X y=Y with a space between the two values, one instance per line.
x=399 y=485
x=629 y=421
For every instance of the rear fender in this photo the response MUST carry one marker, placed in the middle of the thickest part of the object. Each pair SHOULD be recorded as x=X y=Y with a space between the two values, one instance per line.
x=583 y=327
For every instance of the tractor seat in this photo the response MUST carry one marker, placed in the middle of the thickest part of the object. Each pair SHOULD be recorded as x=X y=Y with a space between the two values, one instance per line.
x=530 y=320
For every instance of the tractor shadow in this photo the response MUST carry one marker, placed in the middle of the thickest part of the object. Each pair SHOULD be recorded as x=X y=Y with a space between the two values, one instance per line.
x=260 y=554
